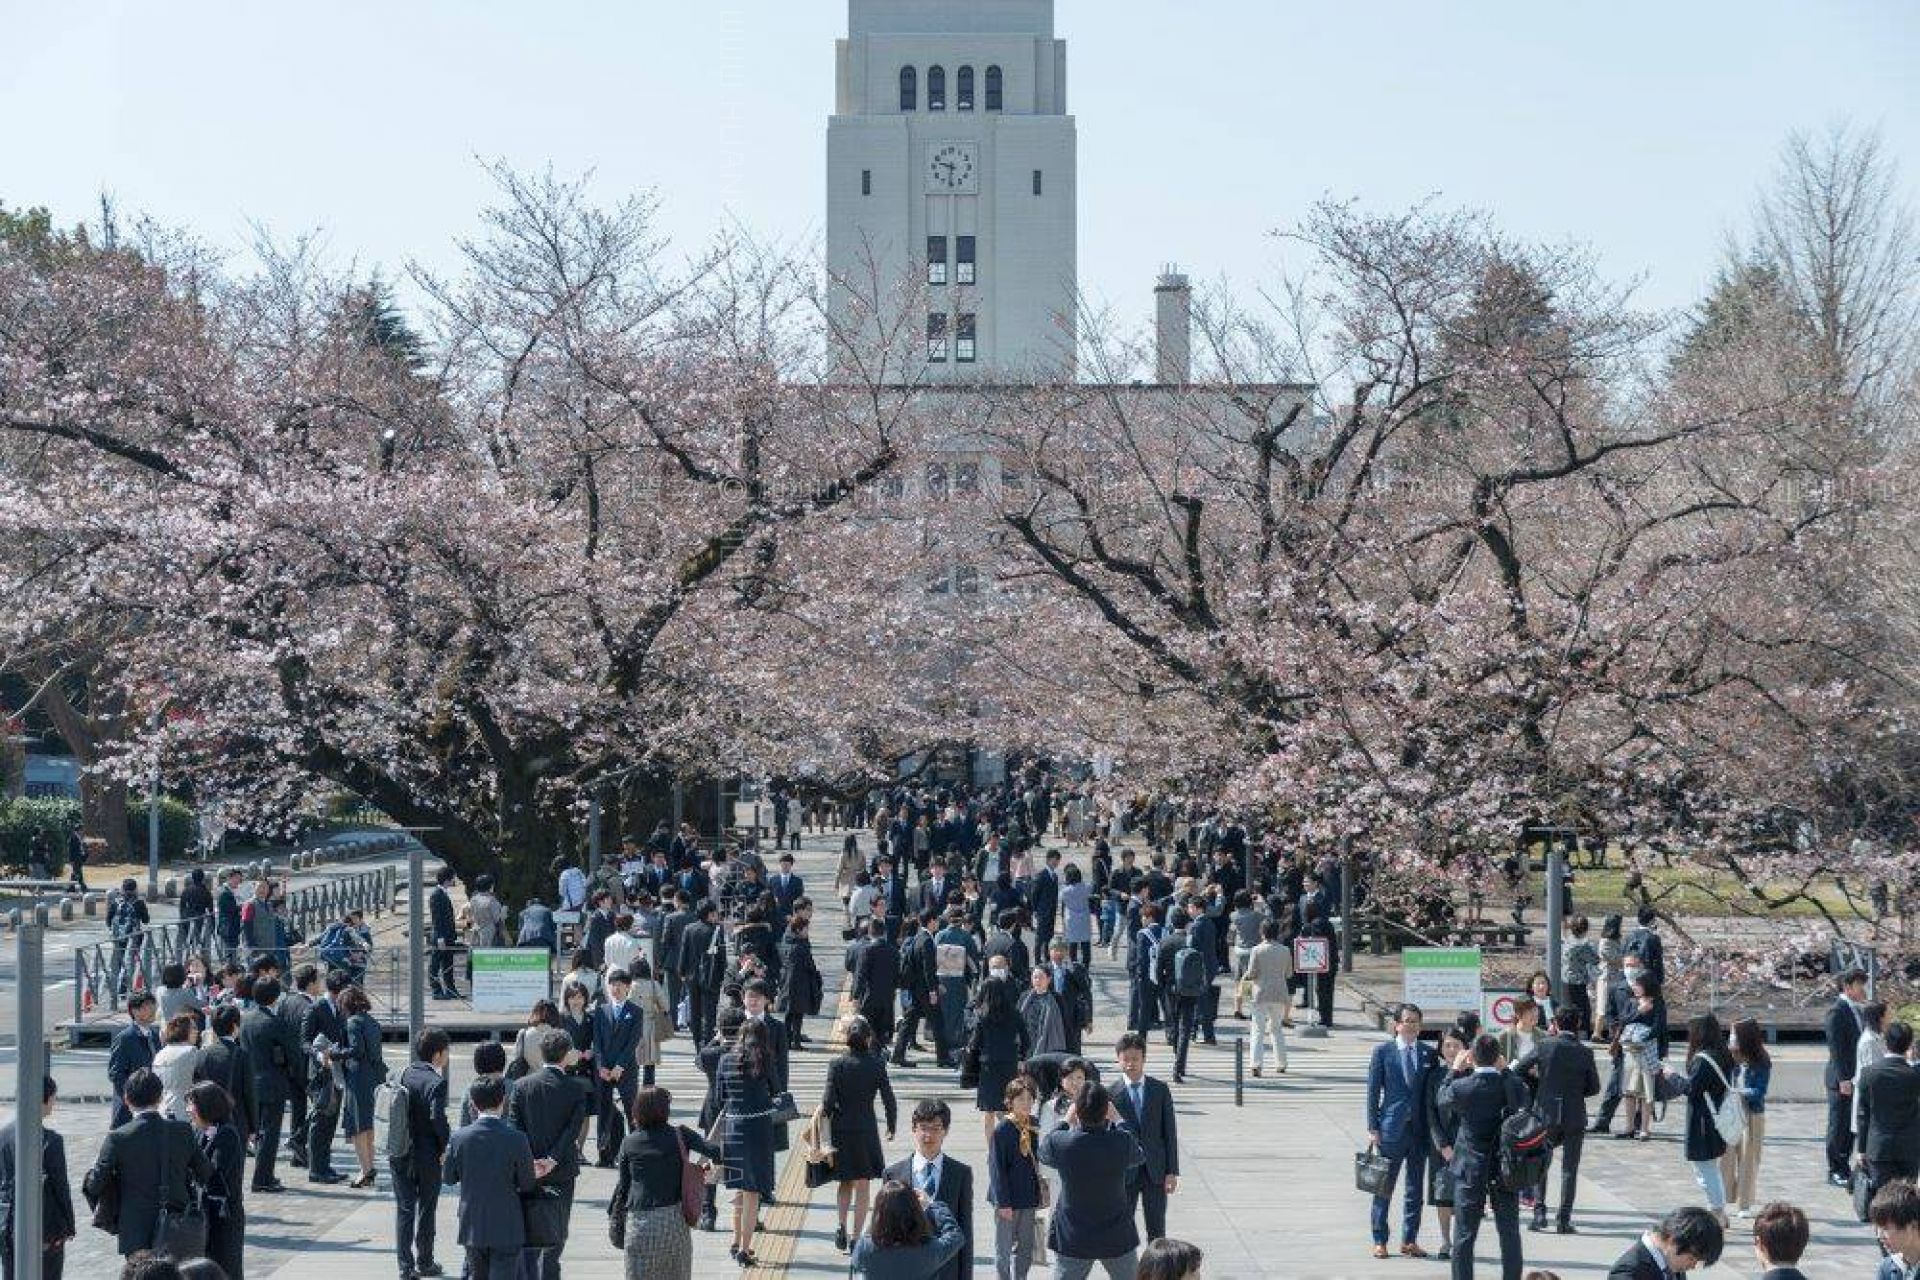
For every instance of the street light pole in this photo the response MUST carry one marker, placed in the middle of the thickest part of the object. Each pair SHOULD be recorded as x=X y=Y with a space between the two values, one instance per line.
x=153 y=833
x=1556 y=908
x=28 y=1085
x=593 y=835
x=416 y=942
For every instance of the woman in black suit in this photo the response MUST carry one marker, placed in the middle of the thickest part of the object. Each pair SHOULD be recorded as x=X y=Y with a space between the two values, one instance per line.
x=1000 y=1038
x=211 y=1111
x=745 y=1081
x=854 y=1079
x=1442 y=1127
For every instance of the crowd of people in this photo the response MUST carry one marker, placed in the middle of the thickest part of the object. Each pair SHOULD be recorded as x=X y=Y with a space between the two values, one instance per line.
x=962 y=929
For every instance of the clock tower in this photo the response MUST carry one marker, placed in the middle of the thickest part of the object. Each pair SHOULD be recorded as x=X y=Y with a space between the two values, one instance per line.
x=950 y=187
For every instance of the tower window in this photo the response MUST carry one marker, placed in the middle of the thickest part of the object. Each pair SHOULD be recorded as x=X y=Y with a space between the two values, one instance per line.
x=995 y=97
x=866 y=182
x=936 y=259
x=937 y=347
x=965 y=96
x=963 y=264
x=909 y=89
x=936 y=89
x=963 y=346
x=1037 y=185
x=937 y=476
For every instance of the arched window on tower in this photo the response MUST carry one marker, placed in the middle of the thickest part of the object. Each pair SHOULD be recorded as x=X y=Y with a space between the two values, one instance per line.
x=963 y=99
x=909 y=89
x=936 y=89
x=995 y=96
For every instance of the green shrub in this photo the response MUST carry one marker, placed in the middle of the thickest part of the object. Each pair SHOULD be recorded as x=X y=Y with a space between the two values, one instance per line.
x=52 y=816
x=179 y=829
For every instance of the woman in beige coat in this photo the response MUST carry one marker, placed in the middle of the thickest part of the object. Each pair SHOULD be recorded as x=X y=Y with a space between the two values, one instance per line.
x=656 y=1019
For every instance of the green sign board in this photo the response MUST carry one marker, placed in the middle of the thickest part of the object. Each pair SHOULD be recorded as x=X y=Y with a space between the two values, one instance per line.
x=510 y=979
x=1443 y=980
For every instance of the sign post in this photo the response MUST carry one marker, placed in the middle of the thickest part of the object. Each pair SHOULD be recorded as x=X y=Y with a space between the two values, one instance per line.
x=416 y=942
x=1441 y=979
x=510 y=979
x=1313 y=957
x=29 y=1081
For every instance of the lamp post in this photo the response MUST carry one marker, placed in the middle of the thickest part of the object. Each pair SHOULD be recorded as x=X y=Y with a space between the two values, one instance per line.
x=416 y=935
x=32 y=1064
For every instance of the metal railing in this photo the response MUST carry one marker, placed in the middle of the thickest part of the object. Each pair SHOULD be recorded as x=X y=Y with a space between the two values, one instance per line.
x=104 y=973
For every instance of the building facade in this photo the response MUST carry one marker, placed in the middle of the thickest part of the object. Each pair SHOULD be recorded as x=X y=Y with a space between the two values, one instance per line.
x=951 y=188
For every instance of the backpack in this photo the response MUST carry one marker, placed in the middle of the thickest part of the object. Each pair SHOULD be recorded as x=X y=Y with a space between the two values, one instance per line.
x=1526 y=1148
x=332 y=946
x=396 y=1104
x=1730 y=1117
x=124 y=921
x=1190 y=972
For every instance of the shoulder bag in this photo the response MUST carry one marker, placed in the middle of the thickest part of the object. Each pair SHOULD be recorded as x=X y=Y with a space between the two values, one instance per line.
x=180 y=1231
x=693 y=1183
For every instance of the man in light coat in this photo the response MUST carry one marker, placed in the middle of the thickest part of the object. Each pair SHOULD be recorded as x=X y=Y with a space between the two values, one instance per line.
x=1269 y=970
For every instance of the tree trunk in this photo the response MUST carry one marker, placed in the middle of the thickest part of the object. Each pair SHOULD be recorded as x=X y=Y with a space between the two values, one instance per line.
x=103 y=803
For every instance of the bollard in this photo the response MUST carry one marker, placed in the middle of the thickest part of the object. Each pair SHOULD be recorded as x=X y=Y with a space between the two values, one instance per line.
x=13 y=918
x=90 y=905
x=66 y=909
x=171 y=889
x=1239 y=1072
x=40 y=913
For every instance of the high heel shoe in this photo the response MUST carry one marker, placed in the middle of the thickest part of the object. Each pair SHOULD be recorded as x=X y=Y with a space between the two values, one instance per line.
x=363 y=1179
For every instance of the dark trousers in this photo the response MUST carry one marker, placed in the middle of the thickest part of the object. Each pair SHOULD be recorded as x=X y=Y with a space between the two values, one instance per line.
x=676 y=988
x=1323 y=997
x=1186 y=1014
x=52 y=1261
x=1167 y=999
x=273 y=1115
x=1610 y=1099
x=1041 y=937
x=492 y=1262
x=701 y=1011
x=1413 y=1162
x=1839 y=1131
x=297 y=1122
x=322 y=1123
x=544 y=1264
x=918 y=1014
x=1470 y=1201
x=1209 y=1012
x=793 y=1019
x=613 y=1103
x=416 y=1194
x=879 y=1015
x=1884 y=1171
x=440 y=968
x=1572 y=1142
x=1150 y=1200
x=1143 y=1012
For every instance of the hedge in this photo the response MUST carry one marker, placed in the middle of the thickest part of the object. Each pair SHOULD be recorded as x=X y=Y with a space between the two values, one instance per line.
x=56 y=815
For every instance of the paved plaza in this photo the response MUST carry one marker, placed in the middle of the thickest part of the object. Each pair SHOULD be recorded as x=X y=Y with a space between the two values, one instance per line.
x=1266 y=1188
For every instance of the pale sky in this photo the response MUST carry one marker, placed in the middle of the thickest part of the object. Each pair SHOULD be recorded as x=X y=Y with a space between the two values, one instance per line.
x=1642 y=129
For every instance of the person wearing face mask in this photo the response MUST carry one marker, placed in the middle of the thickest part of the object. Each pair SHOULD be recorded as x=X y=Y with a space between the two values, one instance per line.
x=1621 y=1002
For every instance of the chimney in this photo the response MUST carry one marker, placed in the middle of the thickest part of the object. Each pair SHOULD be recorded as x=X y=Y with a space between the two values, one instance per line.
x=1173 y=329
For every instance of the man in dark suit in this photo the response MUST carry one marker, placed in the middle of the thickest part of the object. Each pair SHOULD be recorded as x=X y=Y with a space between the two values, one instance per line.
x=940 y=890
x=56 y=1198
x=323 y=1021
x=673 y=931
x=1889 y=1138
x=1844 y=1025
x=1895 y=1215
x=1397 y=1127
x=920 y=981
x=1146 y=1108
x=150 y=1160
x=226 y=1064
x=701 y=965
x=272 y=1047
x=876 y=977
x=1480 y=1100
x=549 y=1106
x=1044 y=900
x=890 y=888
x=1098 y=1160
x=293 y=1009
x=443 y=933
x=1564 y=1077
x=1074 y=989
x=941 y=1177
x=1685 y=1239
x=416 y=1175
x=617 y=1027
x=1780 y=1235
x=132 y=1050
x=492 y=1164
x=787 y=888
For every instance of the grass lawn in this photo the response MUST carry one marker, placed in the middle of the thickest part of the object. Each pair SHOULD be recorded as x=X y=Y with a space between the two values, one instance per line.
x=1694 y=891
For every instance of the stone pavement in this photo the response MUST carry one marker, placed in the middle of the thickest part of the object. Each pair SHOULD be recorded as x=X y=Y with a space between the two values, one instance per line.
x=1266 y=1188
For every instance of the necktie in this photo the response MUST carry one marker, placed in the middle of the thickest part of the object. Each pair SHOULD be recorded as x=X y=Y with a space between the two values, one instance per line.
x=1409 y=1056
x=926 y=1178
x=1138 y=1093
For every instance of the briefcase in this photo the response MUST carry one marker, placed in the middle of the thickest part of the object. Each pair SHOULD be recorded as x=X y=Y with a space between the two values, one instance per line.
x=1862 y=1193
x=1371 y=1171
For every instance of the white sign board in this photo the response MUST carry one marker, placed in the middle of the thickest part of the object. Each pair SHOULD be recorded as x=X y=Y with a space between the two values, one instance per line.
x=1441 y=980
x=510 y=979
x=1496 y=1010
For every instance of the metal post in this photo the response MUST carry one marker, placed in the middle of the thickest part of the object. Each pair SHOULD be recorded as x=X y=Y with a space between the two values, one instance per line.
x=1556 y=908
x=32 y=1062
x=416 y=942
x=593 y=835
x=1346 y=912
x=679 y=806
x=1240 y=1072
x=153 y=834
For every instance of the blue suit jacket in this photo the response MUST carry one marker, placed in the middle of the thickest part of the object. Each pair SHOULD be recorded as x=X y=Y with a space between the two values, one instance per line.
x=616 y=1036
x=1394 y=1103
x=492 y=1164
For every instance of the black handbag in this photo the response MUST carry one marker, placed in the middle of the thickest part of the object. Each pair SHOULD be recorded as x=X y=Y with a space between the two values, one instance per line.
x=180 y=1231
x=1862 y=1194
x=617 y=1221
x=1371 y=1172
x=545 y=1212
x=785 y=1109
x=970 y=1067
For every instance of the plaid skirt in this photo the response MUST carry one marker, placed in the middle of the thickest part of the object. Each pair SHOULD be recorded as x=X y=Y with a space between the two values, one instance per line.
x=659 y=1245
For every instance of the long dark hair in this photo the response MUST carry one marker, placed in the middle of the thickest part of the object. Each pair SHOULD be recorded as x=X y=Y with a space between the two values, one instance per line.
x=898 y=1220
x=1706 y=1036
x=754 y=1047
x=996 y=1002
x=1749 y=1045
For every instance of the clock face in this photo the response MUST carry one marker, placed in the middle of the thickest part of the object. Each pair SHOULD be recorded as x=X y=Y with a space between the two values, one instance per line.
x=953 y=166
